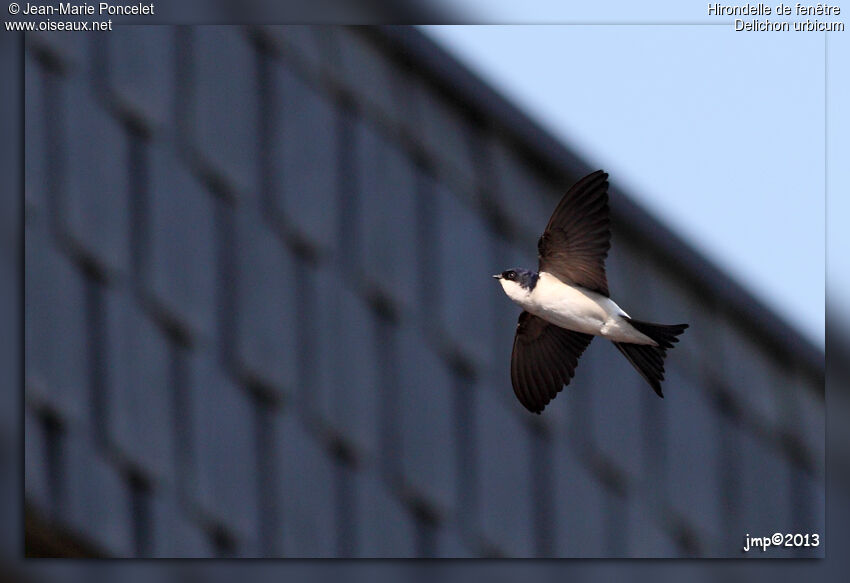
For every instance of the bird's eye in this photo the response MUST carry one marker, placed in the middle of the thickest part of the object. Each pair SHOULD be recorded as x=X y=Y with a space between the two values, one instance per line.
x=510 y=275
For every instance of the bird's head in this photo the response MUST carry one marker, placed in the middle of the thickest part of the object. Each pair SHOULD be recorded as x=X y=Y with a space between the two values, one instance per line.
x=517 y=283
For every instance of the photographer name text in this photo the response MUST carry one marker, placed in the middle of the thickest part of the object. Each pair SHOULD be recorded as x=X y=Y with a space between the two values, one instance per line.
x=100 y=9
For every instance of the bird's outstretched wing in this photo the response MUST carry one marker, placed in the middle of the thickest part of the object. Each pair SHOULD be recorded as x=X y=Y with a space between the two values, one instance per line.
x=543 y=360
x=576 y=241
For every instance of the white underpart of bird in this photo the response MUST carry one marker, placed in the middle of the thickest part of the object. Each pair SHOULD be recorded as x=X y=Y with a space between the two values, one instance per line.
x=575 y=308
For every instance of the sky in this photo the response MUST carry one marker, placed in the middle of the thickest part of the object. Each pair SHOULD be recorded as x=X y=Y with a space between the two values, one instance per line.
x=720 y=134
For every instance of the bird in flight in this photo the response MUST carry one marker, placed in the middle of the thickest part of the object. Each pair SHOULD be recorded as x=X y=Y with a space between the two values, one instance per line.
x=566 y=302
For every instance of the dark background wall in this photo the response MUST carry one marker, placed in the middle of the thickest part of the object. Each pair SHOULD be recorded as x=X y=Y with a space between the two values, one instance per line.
x=260 y=322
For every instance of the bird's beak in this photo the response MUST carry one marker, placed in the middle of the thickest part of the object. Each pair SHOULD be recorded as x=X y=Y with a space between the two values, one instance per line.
x=498 y=276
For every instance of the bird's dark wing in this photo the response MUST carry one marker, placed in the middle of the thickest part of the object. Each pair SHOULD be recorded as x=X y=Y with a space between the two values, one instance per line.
x=543 y=360
x=576 y=241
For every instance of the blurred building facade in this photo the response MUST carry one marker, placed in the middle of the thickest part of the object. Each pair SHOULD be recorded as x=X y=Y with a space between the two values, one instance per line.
x=260 y=322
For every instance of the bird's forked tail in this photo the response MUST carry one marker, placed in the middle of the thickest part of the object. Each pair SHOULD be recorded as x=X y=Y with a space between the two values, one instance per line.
x=648 y=359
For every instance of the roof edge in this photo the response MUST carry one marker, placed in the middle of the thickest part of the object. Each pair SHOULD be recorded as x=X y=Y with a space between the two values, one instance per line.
x=458 y=80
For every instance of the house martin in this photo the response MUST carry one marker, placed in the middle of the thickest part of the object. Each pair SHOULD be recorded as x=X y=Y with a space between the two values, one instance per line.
x=566 y=302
